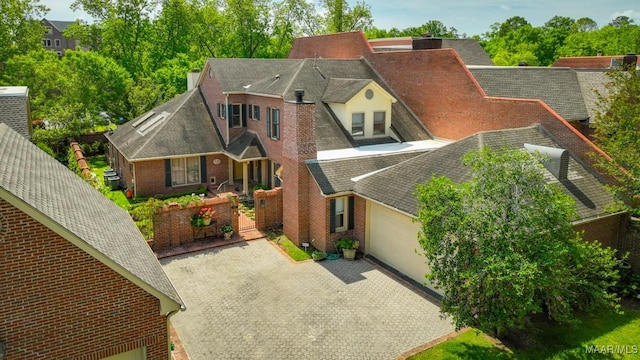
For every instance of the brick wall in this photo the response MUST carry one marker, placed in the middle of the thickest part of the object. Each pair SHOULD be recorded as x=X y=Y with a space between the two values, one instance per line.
x=60 y=303
x=346 y=45
x=268 y=208
x=631 y=243
x=14 y=111
x=172 y=224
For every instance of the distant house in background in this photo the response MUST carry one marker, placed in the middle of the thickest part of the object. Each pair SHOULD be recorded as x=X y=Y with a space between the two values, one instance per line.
x=54 y=38
x=15 y=110
x=595 y=62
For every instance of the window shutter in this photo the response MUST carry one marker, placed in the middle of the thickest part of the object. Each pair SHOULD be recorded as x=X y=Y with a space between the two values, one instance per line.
x=218 y=109
x=203 y=169
x=230 y=116
x=244 y=115
x=351 y=212
x=268 y=122
x=332 y=216
x=167 y=172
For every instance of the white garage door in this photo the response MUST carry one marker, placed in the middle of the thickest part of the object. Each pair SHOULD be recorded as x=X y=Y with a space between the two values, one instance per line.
x=392 y=239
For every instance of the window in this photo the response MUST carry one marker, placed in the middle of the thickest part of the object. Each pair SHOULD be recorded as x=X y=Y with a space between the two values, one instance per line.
x=357 y=124
x=236 y=115
x=49 y=29
x=256 y=112
x=57 y=42
x=223 y=111
x=46 y=42
x=185 y=171
x=273 y=123
x=378 y=122
x=341 y=214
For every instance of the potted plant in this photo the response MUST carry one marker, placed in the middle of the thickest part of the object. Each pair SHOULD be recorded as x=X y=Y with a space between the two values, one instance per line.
x=227 y=231
x=206 y=213
x=348 y=247
x=318 y=255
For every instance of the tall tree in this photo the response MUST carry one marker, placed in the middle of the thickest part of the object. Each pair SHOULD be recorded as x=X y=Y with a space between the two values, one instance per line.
x=617 y=132
x=340 y=17
x=20 y=27
x=501 y=245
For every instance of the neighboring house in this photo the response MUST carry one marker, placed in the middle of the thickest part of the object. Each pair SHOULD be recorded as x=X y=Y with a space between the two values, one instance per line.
x=15 y=110
x=596 y=62
x=54 y=39
x=78 y=280
x=390 y=233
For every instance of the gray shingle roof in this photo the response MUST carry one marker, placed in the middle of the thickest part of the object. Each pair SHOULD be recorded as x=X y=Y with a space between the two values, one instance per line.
x=342 y=90
x=72 y=203
x=334 y=176
x=592 y=83
x=246 y=146
x=582 y=186
x=470 y=51
x=258 y=76
x=557 y=87
x=187 y=130
x=61 y=25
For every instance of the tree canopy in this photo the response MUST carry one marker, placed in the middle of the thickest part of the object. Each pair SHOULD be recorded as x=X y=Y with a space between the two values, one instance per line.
x=501 y=245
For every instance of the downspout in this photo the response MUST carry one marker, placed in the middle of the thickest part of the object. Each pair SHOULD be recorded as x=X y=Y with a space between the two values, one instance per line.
x=226 y=117
x=169 y=315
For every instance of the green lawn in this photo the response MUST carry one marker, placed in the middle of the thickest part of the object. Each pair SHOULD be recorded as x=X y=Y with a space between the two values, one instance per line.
x=290 y=248
x=98 y=165
x=547 y=341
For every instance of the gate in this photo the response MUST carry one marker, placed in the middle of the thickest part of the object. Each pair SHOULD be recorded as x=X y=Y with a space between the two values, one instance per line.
x=247 y=213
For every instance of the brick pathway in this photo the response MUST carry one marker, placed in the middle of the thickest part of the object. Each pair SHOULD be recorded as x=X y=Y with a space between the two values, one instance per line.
x=248 y=301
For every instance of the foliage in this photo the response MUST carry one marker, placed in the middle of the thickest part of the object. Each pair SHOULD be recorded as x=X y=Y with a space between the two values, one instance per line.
x=433 y=27
x=318 y=255
x=501 y=245
x=291 y=249
x=628 y=285
x=340 y=17
x=207 y=213
x=93 y=149
x=20 y=27
x=542 y=339
x=260 y=187
x=72 y=162
x=617 y=132
x=346 y=243
x=44 y=147
x=226 y=228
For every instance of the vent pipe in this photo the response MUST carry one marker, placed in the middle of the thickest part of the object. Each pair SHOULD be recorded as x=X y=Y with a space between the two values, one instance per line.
x=557 y=161
x=299 y=95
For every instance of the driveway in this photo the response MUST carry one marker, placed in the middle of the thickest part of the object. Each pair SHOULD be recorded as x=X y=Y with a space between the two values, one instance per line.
x=249 y=301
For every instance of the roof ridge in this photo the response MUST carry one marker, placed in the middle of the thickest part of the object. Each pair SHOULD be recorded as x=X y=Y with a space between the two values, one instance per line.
x=295 y=75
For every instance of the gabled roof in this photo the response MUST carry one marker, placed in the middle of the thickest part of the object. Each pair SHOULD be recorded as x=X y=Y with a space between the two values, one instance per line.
x=280 y=78
x=557 y=87
x=582 y=186
x=180 y=127
x=246 y=147
x=60 y=25
x=342 y=90
x=72 y=208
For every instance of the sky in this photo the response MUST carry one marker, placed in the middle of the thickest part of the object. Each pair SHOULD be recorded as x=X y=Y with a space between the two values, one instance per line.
x=470 y=17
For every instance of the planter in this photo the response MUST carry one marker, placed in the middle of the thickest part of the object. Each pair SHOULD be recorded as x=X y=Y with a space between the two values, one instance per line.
x=206 y=221
x=349 y=254
x=227 y=235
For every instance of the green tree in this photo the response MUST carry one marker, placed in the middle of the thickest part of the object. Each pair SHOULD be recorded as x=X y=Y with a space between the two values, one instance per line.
x=341 y=17
x=617 y=132
x=501 y=245
x=20 y=27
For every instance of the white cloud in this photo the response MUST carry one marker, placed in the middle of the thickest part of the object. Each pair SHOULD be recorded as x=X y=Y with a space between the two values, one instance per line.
x=631 y=14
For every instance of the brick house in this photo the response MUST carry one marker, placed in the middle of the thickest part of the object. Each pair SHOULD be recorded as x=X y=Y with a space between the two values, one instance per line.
x=77 y=279
x=54 y=39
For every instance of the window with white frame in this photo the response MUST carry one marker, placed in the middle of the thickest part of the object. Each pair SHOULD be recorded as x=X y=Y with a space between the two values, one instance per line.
x=57 y=42
x=273 y=123
x=46 y=42
x=185 y=171
x=340 y=214
x=236 y=115
x=379 y=118
x=357 y=124
x=256 y=112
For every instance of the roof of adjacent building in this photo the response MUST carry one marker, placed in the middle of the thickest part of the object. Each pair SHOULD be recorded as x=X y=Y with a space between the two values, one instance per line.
x=469 y=50
x=593 y=83
x=71 y=203
x=586 y=62
x=14 y=91
x=557 y=87
x=60 y=25
x=587 y=191
x=281 y=77
x=180 y=127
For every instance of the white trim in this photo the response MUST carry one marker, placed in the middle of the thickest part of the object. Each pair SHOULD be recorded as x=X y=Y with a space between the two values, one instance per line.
x=383 y=149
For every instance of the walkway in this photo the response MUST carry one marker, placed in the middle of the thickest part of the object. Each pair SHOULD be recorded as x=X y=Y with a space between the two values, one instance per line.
x=248 y=301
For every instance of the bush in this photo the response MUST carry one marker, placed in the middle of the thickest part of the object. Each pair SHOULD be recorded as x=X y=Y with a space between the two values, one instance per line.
x=628 y=285
x=261 y=187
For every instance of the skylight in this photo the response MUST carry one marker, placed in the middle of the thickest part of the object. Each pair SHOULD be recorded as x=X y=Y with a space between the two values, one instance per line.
x=143 y=118
x=152 y=123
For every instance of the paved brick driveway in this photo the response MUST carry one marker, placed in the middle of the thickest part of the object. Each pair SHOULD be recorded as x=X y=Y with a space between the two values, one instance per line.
x=248 y=301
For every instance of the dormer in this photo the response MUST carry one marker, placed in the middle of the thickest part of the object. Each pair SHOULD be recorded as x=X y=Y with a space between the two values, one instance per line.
x=362 y=106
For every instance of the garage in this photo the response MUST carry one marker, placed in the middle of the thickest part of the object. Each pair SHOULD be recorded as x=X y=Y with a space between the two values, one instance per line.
x=392 y=238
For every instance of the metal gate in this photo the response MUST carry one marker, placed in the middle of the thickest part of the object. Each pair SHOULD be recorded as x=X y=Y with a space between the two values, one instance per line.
x=246 y=213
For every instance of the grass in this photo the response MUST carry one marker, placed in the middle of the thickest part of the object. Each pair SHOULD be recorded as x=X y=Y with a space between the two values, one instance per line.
x=290 y=248
x=544 y=340
x=98 y=165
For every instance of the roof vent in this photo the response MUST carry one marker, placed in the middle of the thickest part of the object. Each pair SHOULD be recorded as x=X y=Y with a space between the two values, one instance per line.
x=299 y=95
x=557 y=162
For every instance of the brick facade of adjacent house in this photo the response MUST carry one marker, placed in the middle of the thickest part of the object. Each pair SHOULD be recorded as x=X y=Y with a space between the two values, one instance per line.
x=59 y=302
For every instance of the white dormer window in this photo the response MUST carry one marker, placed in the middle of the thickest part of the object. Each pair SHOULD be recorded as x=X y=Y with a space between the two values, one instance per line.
x=379 y=122
x=357 y=124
